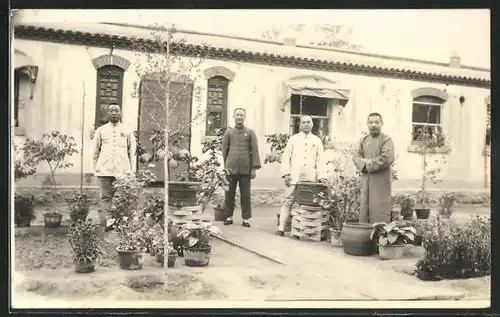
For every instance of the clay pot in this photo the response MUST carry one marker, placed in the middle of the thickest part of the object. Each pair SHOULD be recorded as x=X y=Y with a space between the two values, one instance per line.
x=422 y=212
x=24 y=223
x=335 y=237
x=85 y=267
x=391 y=252
x=198 y=255
x=219 y=214
x=356 y=239
x=52 y=220
x=131 y=260
x=171 y=259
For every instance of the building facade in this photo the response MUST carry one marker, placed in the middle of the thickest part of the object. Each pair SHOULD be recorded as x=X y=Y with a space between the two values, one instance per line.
x=64 y=74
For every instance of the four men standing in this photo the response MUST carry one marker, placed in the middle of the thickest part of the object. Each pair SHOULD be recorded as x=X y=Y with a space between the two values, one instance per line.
x=303 y=160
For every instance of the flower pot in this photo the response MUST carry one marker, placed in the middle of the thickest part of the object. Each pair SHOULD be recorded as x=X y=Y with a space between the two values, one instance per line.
x=307 y=191
x=335 y=237
x=391 y=252
x=422 y=212
x=183 y=194
x=52 y=220
x=171 y=259
x=78 y=216
x=131 y=260
x=219 y=214
x=356 y=239
x=24 y=223
x=85 y=267
x=198 y=255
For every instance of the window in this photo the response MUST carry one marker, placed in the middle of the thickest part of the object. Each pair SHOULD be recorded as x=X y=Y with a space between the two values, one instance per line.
x=217 y=92
x=426 y=115
x=109 y=90
x=316 y=107
x=17 y=84
x=488 y=125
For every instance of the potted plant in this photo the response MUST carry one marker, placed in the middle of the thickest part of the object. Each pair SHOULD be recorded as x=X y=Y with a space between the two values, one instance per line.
x=171 y=258
x=391 y=239
x=210 y=174
x=79 y=205
x=428 y=142
x=53 y=148
x=407 y=204
x=341 y=200
x=446 y=203
x=24 y=210
x=132 y=242
x=196 y=238
x=85 y=244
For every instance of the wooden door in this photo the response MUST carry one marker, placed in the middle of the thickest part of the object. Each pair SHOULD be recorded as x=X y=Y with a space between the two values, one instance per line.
x=152 y=117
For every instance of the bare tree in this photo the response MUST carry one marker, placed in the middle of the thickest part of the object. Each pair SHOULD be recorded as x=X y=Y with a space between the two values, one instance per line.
x=167 y=70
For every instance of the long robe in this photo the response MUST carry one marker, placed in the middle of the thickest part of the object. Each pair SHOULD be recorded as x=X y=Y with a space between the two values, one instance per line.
x=377 y=155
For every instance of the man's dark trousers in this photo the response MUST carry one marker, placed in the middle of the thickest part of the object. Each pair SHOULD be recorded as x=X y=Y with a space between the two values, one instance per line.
x=244 y=183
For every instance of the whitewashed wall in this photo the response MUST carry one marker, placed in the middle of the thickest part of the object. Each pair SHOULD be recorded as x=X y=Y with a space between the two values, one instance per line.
x=57 y=104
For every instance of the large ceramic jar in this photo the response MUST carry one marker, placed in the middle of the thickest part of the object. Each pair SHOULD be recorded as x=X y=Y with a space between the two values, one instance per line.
x=356 y=239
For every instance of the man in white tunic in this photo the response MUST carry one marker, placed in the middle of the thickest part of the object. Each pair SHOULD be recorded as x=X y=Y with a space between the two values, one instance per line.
x=302 y=161
x=113 y=152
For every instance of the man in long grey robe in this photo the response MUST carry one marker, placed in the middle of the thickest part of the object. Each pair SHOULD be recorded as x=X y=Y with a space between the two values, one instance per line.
x=373 y=158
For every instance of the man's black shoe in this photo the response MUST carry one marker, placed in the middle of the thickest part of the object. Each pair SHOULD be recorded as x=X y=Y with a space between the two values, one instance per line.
x=228 y=222
x=246 y=224
x=280 y=233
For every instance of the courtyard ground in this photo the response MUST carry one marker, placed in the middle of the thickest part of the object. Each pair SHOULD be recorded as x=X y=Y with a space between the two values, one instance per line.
x=307 y=271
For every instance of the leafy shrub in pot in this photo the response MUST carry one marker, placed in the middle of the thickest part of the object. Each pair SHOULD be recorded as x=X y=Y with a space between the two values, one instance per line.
x=196 y=237
x=54 y=149
x=407 y=204
x=391 y=238
x=446 y=203
x=24 y=210
x=79 y=205
x=85 y=244
x=132 y=242
x=455 y=251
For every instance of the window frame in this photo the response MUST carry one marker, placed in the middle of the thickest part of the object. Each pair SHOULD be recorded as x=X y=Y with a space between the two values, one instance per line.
x=435 y=126
x=211 y=108
x=326 y=118
x=100 y=72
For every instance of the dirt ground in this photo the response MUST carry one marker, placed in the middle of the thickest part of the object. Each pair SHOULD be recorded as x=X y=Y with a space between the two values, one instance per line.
x=44 y=268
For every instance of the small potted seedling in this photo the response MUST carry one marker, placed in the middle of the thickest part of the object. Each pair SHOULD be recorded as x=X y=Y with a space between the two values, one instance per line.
x=85 y=244
x=132 y=243
x=392 y=238
x=407 y=204
x=446 y=203
x=196 y=238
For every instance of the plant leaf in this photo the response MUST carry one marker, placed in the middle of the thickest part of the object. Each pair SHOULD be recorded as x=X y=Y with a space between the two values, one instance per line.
x=392 y=237
x=192 y=241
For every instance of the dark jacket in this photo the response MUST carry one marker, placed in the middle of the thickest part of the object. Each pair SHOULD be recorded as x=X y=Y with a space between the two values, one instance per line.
x=240 y=150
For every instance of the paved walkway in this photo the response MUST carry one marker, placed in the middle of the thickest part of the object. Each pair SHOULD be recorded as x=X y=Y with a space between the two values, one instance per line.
x=358 y=277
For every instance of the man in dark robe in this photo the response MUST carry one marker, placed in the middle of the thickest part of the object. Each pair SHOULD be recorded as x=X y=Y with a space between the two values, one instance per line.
x=373 y=158
x=241 y=159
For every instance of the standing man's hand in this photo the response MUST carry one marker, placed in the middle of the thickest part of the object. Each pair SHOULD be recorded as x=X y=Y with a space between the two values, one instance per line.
x=252 y=173
x=288 y=180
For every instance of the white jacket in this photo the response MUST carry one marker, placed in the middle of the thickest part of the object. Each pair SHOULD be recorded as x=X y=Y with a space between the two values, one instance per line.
x=114 y=149
x=303 y=159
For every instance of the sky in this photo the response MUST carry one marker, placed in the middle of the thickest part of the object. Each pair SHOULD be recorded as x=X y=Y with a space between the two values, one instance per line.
x=431 y=35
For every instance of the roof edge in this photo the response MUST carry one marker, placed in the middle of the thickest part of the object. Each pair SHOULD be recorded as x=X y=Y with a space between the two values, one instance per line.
x=319 y=48
x=38 y=33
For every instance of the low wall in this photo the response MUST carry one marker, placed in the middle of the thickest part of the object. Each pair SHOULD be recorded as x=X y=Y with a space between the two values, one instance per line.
x=268 y=197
